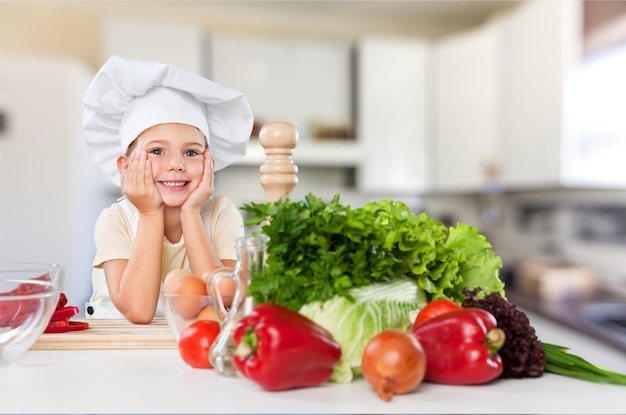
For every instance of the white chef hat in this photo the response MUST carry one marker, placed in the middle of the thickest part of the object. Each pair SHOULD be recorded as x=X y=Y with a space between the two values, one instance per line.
x=127 y=96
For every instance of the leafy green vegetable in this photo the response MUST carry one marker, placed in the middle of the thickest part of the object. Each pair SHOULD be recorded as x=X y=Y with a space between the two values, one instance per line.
x=478 y=265
x=352 y=324
x=318 y=250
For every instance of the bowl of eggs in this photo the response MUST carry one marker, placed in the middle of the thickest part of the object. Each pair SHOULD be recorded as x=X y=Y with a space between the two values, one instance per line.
x=186 y=300
x=28 y=296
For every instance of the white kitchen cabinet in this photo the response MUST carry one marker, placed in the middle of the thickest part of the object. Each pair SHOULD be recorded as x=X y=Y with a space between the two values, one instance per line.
x=304 y=81
x=179 y=44
x=542 y=41
x=466 y=117
x=499 y=99
x=516 y=102
x=563 y=122
x=391 y=114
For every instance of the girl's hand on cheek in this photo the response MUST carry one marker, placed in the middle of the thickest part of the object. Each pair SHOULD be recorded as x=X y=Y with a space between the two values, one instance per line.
x=206 y=188
x=138 y=184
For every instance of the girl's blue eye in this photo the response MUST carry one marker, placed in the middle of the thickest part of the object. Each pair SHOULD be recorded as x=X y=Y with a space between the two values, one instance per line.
x=191 y=153
x=156 y=151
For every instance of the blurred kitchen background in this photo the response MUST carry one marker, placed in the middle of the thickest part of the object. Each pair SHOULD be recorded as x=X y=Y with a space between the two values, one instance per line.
x=506 y=115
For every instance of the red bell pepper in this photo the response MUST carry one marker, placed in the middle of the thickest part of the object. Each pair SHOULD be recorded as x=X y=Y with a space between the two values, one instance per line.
x=461 y=347
x=60 y=320
x=280 y=349
x=14 y=312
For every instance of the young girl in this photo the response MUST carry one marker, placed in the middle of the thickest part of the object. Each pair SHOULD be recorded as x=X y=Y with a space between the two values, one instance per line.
x=160 y=132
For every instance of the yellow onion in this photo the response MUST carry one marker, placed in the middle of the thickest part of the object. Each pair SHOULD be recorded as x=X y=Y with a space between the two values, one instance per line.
x=393 y=363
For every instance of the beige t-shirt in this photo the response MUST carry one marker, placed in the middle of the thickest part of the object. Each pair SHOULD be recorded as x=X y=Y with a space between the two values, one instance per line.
x=115 y=235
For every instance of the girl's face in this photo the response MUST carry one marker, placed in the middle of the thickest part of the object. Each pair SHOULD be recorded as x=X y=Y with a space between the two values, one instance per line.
x=176 y=152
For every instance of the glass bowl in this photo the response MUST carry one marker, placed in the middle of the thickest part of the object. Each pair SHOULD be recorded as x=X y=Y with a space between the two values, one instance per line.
x=183 y=309
x=29 y=293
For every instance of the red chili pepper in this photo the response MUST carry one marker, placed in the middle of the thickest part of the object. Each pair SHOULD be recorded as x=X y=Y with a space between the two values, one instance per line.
x=280 y=349
x=461 y=347
x=62 y=326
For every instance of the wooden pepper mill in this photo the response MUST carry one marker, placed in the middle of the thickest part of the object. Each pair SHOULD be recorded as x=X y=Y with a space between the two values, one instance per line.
x=279 y=174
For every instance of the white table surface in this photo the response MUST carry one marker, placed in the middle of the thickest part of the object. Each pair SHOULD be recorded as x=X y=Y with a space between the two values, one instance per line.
x=158 y=381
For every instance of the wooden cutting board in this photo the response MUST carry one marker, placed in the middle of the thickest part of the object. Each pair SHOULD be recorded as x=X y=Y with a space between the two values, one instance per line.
x=110 y=334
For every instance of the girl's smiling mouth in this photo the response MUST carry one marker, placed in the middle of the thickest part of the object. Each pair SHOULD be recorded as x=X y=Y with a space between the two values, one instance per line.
x=174 y=183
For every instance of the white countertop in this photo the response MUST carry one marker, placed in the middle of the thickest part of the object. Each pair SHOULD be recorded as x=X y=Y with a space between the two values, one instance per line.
x=158 y=381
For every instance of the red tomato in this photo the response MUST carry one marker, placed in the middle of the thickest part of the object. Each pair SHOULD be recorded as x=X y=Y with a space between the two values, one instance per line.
x=435 y=308
x=195 y=343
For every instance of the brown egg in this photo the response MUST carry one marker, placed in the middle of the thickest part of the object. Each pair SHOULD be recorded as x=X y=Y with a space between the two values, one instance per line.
x=173 y=278
x=227 y=286
x=227 y=290
x=208 y=313
x=190 y=285
x=190 y=298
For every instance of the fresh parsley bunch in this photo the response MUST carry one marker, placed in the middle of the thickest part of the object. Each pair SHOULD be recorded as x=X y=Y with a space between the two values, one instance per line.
x=318 y=250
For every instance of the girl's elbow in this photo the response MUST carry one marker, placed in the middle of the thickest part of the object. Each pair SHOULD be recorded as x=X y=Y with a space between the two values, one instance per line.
x=138 y=315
